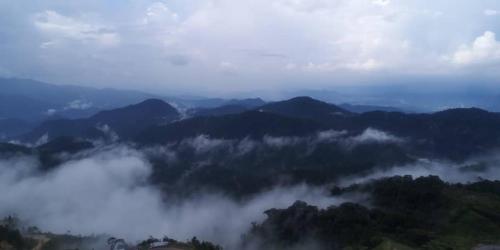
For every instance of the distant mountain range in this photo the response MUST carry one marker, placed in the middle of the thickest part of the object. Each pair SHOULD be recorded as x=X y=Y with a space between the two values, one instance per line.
x=120 y=123
x=33 y=100
x=241 y=147
x=306 y=108
x=358 y=108
x=290 y=141
x=25 y=103
x=455 y=133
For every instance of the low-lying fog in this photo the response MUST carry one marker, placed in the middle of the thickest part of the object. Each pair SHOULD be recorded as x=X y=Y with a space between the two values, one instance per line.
x=106 y=191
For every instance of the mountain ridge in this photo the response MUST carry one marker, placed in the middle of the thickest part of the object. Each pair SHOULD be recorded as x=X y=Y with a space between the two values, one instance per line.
x=125 y=122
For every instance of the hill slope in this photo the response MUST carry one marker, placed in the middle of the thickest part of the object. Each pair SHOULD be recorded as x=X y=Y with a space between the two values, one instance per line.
x=306 y=108
x=252 y=124
x=125 y=122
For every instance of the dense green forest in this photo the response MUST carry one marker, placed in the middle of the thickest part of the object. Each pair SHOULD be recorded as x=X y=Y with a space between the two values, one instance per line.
x=403 y=213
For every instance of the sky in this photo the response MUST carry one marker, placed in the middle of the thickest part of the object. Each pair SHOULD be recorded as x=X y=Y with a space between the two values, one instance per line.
x=224 y=46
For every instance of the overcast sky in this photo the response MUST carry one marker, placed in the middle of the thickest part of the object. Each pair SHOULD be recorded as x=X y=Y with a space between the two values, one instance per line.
x=222 y=46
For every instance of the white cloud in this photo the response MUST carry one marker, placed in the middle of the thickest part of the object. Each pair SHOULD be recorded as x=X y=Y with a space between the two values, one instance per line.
x=204 y=144
x=51 y=112
x=490 y=12
x=160 y=13
x=279 y=142
x=368 y=65
x=381 y=2
x=447 y=171
x=42 y=140
x=484 y=50
x=318 y=41
x=59 y=27
x=78 y=104
x=330 y=135
x=107 y=192
x=371 y=135
x=228 y=67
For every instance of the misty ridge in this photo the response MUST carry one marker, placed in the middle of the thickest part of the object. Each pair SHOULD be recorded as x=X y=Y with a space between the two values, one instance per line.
x=250 y=125
x=292 y=174
x=107 y=190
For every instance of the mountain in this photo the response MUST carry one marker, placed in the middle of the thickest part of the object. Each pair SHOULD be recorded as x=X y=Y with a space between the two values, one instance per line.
x=14 y=127
x=49 y=154
x=247 y=103
x=227 y=107
x=306 y=108
x=34 y=100
x=134 y=118
x=8 y=150
x=218 y=111
x=284 y=143
x=208 y=103
x=22 y=107
x=253 y=124
x=123 y=122
x=404 y=213
x=453 y=134
x=357 y=108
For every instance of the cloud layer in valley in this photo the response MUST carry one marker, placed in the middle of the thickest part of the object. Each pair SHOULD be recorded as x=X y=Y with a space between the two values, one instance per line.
x=473 y=170
x=106 y=191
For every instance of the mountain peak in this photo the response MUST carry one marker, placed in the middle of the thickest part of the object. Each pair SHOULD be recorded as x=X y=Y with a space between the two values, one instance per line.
x=304 y=107
x=125 y=122
x=152 y=102
x=304 y=99
x=149 y=107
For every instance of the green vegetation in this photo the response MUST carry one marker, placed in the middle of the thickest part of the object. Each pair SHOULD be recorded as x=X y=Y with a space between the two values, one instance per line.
x=402 y=214
x=11 y=238
x=405 y=213
x=50 y=241
x=193 y=244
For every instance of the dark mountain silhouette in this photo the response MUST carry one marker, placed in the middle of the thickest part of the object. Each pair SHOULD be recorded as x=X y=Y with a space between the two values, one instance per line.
x=125 y=122
x=252 y=124
x=35 y=100
x=306 y=108
x=13 y=127
x=49 y=153
x=132 y=119
x=247 y=103
x=358 y=108
x=22 y=107
x=219 y=111
x=454 y=134
x=233 y=106
x=64 y=94
x=62 y=127
x=208 y=103
x=64 y=144
x=9 y=149
x=404 y=213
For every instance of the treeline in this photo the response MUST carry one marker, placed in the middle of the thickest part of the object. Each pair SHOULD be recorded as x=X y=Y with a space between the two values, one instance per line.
x=193 y=244
x=407 y=213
